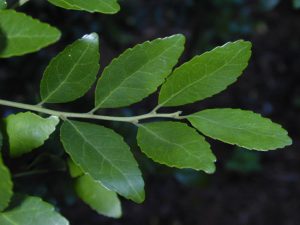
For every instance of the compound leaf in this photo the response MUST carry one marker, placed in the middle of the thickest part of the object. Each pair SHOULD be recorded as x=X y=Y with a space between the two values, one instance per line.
x=99 y=198
x=138 y=72
x=240 y=127
x=6 y=184
x=72 y=72
x=177 y=145
x=205 y=75
x=101 y=6
x=21 y=34
x=102 y=153
x=32 y=210
x=27 y=131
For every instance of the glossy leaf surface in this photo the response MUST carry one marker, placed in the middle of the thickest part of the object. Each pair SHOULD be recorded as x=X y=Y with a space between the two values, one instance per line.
x=240 y=127
x=104 y=155
x=21 y=34
x=176 y=145
x=72 y=72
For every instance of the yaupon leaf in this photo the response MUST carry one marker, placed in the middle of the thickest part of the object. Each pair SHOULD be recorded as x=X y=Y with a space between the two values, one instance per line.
x=101 y=6
x=6 y=184
x=205 y=75
x=72 y=72
x=104 y=155
x=21 y=34
x=3 y=4
x=75 y=171
x=177 y=145
x=32 y=211
x=138 y=72
x=27 y=131
x=240 y=127
x=99 y=198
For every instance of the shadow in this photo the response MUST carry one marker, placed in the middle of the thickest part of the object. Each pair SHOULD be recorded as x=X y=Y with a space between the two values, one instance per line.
x=3 y=41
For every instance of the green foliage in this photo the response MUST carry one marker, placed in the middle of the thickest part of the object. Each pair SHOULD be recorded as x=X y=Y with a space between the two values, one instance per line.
x=32 y=211
x=240 y=127
x=27 y=131
x=104 y=155
x=3 y=4
x=101 y=162
x=205 y=75
x=71 y=74
x=138 y=72
x=6 y=184
x=101 y=6
x=98 y=197
x=16 y=29
x=177 y=145
x=296 y=4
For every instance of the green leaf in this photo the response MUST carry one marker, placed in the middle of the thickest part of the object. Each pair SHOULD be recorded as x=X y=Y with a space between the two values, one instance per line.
x=3 y=4
x=138 y=72
x=32 y=211
x=101 y=6
x=240 y=127
x=75 y=171
x=72 y=72
x=6 y=184
x=99 y=198
x=27 y=131
x=177 y=145
x=205 y=75
x=296 y=4
x=21 y=34
x=104 y=155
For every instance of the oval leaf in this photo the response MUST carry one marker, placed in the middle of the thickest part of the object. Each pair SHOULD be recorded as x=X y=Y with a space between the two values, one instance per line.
x=21 y=34
x=205 y=75
x=138 y=72
x=240 y=127
x=6 y=184
x=99 y=198
x=74 y=170
x=27 y=131
x=177 y=145
x=3 y=4
x=104 y=155
x=72 y=72
x=32 y=211
x=101 y=6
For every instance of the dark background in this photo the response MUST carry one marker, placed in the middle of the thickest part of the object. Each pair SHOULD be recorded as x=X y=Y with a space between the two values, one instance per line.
x=249 y=187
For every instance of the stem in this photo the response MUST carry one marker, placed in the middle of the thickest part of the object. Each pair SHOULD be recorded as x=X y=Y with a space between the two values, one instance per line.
x=37 y=172
x=64 y=115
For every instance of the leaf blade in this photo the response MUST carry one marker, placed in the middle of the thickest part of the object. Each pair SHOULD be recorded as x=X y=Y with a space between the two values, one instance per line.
x=138 y=72
x=72 y=72
x=32 y=210
x=100 y=6
x=240 y=127
x=27 y=131
x=99 y=198
x=21 y=34
x=101 y=162
x=205 y=75
x=177 y=145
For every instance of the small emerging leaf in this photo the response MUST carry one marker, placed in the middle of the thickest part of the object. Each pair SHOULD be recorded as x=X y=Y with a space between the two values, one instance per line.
x=6 y=184
x=138 y=72
x=176 y=145
x=21 y=34
x=72 y=72
x=27 y=131
x=101 y=6
x=104 y=155
x=205 y=75
x=32 y=211
x=99 y=198
x=240 y=127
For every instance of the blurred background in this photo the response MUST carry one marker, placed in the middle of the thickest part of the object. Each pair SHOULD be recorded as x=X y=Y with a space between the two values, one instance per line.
x=248 y=187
